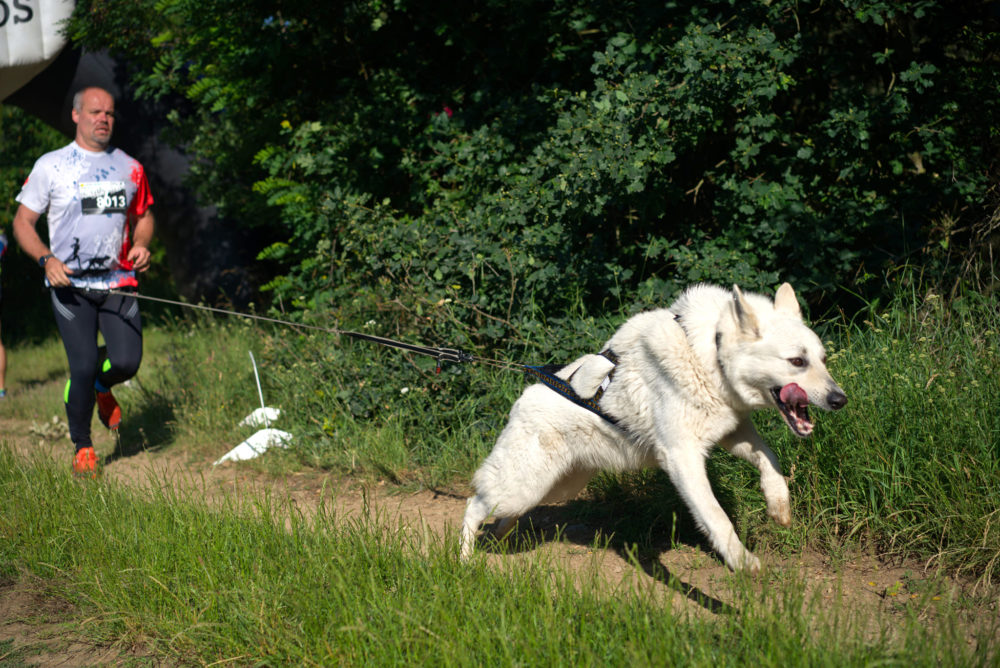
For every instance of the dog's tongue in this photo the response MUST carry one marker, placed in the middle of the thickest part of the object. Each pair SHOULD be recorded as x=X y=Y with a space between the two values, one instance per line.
x=793 y=395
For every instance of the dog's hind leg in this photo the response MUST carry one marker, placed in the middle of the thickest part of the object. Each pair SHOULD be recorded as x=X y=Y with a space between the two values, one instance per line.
x=511 y=507
x=476 y=510
x=568 y=486
x=686 y=468
x=527 y=465
x=564 y=489
x=747 y=444
x=504 y=526
x=515 y=501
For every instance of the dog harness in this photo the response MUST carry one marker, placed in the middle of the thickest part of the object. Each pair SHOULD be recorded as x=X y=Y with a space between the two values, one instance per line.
x=547 y=375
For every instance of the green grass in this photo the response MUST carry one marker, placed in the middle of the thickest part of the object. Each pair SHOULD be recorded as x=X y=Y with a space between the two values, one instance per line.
x=12 y=657
x=909 y=470
x=915 y=465
x=31 y=371
x=241 y=585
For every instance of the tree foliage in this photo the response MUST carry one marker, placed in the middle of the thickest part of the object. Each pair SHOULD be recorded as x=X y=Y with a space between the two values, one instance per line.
x=23 y=139
x=483 y=164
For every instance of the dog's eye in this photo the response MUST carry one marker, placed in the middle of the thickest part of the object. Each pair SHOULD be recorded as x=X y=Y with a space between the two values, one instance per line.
x=797 y=361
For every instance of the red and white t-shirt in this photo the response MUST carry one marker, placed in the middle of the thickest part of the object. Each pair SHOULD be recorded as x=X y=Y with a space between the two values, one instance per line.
x=92 y=200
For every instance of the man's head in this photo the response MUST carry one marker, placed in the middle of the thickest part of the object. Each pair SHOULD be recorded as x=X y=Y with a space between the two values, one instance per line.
x=94 y=115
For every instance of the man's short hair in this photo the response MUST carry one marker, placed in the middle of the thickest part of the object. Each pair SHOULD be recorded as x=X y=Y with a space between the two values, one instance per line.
x=78 y=97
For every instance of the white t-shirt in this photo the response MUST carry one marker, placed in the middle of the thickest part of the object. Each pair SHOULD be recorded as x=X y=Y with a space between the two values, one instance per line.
x=92 y=200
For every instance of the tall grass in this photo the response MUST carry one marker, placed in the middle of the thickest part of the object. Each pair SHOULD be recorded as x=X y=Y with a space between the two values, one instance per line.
x=354 y=408
x=915 y=467
x=910 y=469
x=259 y=585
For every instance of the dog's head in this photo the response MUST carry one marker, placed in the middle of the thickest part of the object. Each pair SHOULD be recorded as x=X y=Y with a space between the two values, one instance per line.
x=771 y=358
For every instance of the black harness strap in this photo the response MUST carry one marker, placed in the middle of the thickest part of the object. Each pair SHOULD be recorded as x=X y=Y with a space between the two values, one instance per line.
x=546 y=374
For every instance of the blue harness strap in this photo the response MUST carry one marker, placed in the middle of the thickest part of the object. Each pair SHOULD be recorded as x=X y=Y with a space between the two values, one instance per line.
x=546 y=374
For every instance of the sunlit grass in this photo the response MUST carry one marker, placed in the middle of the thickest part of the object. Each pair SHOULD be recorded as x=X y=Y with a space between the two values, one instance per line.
x=258 y=584
x=909 y=469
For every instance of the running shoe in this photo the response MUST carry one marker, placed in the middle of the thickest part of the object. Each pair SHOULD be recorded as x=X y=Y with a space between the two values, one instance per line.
x=85 y=463
x=108 y=410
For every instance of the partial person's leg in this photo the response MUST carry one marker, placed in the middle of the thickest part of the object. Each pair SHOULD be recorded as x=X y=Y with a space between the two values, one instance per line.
x=3 y=362
x=121 y=325
x=3 y=370
x=76 y=318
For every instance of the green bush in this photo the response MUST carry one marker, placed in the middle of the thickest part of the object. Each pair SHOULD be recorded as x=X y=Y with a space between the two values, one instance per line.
x=26 y=309
x=487 y=164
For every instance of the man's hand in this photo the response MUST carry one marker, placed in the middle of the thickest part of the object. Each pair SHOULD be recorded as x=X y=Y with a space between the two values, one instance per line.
x=142 y=236
x=139 y=256
x=57 y=273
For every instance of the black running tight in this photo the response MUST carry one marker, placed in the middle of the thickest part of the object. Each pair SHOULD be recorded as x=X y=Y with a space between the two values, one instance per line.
x=80 y=314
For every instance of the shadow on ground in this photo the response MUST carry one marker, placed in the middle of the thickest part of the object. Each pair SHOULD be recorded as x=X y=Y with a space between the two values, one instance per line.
x=151 y=426
x=638 y=523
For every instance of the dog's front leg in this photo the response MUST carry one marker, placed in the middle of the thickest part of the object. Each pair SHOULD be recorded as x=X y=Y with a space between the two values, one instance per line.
x=747 y=444
x=686 y=467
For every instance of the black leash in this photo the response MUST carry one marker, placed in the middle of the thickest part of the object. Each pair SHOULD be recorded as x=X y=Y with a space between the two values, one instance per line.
x=545 y=374
x=440 y=354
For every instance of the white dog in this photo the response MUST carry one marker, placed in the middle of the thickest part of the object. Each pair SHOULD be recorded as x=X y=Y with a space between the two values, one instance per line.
x=672 y=384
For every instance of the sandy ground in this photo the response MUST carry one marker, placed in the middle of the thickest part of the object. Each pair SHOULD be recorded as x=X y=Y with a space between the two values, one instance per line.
x=685 y=577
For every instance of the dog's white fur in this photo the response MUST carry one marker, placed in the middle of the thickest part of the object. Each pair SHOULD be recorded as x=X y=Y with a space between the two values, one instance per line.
x=687 y=378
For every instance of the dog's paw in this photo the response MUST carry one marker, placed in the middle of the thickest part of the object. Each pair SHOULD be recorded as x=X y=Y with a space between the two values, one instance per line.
x=738 y=558
x=779 y=507
x=780 y=511
x=748 y=563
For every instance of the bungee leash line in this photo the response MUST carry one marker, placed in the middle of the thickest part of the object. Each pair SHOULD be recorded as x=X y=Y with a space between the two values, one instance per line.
x=438 y=353
x=544 y=373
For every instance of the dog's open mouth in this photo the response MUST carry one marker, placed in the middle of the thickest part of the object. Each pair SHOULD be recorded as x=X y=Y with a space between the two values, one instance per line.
x=793 y=402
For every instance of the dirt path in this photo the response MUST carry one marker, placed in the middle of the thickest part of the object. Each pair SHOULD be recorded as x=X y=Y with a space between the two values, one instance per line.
x=38 y=629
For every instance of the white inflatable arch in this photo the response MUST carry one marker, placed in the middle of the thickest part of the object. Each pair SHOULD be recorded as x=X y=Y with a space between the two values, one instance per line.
x=40 y=72
x=30 y=39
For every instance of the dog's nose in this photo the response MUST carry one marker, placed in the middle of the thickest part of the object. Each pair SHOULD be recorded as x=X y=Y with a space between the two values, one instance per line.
x=836 y=400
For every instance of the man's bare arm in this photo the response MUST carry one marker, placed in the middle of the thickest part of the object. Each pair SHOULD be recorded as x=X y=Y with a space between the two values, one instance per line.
x=25 y=221
x=142 y=236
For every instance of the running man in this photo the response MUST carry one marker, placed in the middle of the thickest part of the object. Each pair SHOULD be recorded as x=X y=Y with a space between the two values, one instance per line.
x=97 y=201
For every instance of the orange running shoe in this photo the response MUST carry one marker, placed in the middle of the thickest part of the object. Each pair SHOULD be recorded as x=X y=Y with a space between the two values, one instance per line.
x=108 y=410
x=85 y=463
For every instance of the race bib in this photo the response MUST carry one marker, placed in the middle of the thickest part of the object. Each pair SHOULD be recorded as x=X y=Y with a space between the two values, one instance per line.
x=103 y=197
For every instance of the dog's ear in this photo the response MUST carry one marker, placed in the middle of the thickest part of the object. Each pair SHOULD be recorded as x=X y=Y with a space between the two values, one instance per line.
x=745 y=317
x=786 y=301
